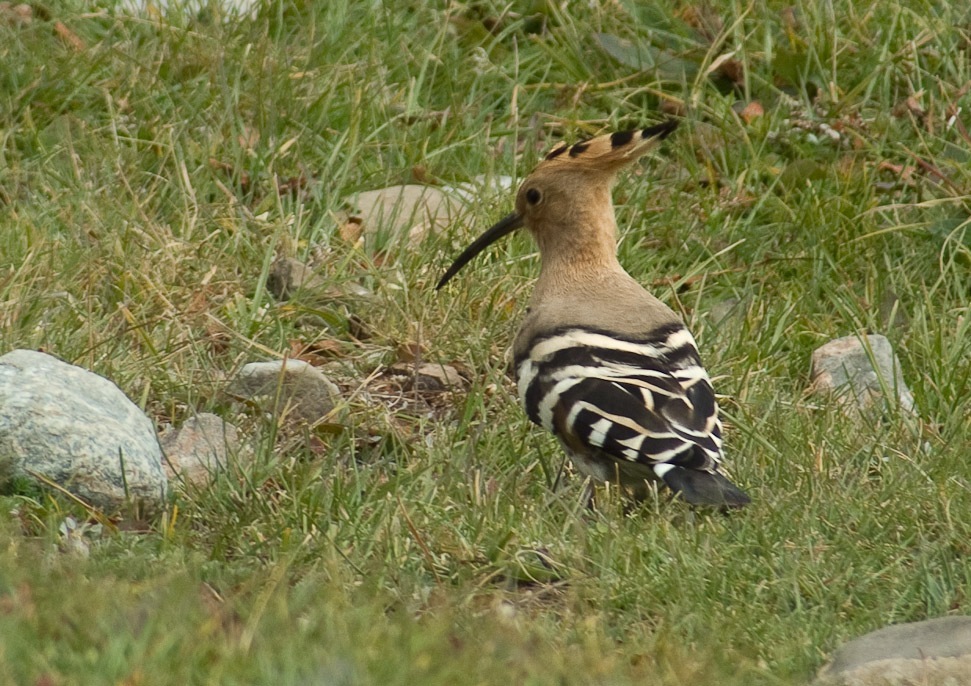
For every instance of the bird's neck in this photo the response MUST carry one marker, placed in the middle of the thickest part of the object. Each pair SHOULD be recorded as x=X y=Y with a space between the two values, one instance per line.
x=580 y=250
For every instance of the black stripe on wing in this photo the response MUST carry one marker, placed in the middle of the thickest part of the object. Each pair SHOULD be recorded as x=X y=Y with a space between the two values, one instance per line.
x=665 y=361
x=652 y=350
x=645 y=399
x=694 y=410
x=615 y=420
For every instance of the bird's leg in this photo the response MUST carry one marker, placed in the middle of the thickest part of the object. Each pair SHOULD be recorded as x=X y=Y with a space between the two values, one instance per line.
x=559 y=474
x=586 y=497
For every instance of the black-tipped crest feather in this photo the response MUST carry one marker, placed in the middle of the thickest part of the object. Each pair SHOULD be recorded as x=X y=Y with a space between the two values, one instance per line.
x=597 y=151
x=608 y=152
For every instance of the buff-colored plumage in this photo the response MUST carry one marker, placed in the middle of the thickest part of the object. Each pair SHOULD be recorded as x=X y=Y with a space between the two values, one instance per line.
x=601 y=363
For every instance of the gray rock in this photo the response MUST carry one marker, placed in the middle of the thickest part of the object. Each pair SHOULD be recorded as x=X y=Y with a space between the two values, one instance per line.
x=200 y=448
x=429 y=376
x=411 y=211
x=942 y=671
x=858 y=371
x=288 y=275
x=932 y=652
x=226 y=7
x=480 y=186
x=289 y=388
x=77 y=429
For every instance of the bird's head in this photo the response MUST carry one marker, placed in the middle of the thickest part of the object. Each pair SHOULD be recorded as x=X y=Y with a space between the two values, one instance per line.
x=570 y=183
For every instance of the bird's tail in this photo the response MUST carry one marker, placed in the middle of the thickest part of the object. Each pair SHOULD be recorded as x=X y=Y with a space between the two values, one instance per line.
x=704 y=488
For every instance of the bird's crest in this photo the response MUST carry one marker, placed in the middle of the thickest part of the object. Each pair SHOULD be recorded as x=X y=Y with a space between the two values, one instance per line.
x=597 y=160
x=608 y=152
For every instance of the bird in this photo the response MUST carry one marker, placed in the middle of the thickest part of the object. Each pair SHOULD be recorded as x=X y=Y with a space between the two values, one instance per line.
x=600 y=362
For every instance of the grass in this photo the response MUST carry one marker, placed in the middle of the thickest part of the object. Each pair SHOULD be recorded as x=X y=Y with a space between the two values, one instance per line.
x=138 y=188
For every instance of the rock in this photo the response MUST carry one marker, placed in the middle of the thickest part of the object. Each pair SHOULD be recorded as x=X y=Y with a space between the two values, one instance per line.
x=289 y=388
x=935 y=652
x=288 y=275
x=429 y=376
x=223 y=8
x=941 y=637
x=198 y=449
x=482 y=185
x=944 y=671
x=78 y=429
x=397 y=212
x=844 y=368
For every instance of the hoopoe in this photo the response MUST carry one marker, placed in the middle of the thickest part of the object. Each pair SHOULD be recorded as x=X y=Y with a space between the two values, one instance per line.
x=600 y=362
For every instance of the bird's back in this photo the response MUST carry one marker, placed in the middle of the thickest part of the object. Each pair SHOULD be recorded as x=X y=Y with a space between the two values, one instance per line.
x=616 y=376
x=601 y=299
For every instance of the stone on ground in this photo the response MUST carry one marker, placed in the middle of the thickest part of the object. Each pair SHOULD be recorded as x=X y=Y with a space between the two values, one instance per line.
x=859 y=372
x=199 y=449
x=288 y=275
x=78 y=430
x=429 y=376
x=935 y=652
x=291 y=389
x=409 y=212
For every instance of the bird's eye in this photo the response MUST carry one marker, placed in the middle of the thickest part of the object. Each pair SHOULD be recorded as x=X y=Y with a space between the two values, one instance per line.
x=533 y=196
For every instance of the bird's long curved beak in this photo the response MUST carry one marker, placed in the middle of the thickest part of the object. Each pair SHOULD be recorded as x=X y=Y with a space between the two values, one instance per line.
x=506 y=226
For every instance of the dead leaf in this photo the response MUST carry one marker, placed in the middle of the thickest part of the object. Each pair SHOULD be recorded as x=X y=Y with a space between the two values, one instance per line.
x=436 y=118
x=910 y=106
x=294 y=186
x=790 y=19
x=317 y=352
x=410 y=351
x=68 y=36
x=673 y=107
x=463 y=369
x=849 y=167
x=428 y=377
x=352 y=229
x=199 y=303
x=729 y=68
x=16 y=15
x=217 y=338
x=704 y=20
x=752 y=111
x=953 y=119
x=735 y=200
x=358 y=329
x=420 y=174
x=242 y=178
x=248 y=138
x=904 y=172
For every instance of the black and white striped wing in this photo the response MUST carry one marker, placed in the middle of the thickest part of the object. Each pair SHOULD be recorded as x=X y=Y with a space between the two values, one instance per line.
x=647 y=401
